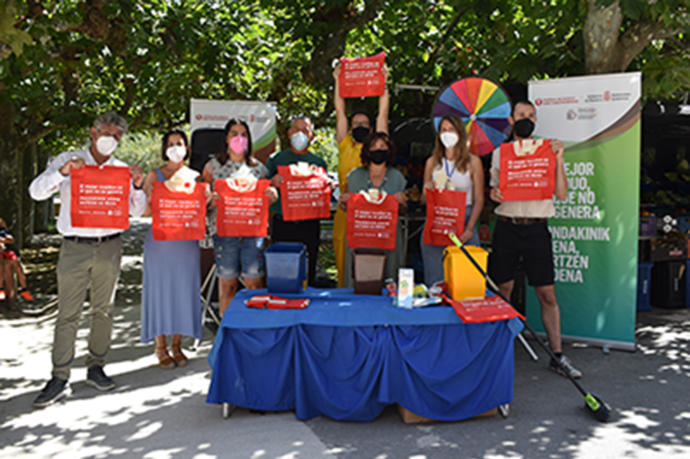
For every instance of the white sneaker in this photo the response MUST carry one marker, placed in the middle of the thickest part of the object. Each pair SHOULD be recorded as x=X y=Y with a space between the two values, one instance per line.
x=565 y=368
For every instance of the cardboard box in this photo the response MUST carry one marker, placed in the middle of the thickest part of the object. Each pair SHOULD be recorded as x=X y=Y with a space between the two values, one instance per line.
x=408 y=417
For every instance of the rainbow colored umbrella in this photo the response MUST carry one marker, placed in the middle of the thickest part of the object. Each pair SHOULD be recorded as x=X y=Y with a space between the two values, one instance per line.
x=484 y=108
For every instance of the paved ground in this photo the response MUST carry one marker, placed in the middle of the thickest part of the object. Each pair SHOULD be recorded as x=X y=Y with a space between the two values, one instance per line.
x=158 y=413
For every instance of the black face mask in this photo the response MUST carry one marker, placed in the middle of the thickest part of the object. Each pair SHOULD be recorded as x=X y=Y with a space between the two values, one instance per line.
x=360 y=134
x=523 y=128
x=378 y=156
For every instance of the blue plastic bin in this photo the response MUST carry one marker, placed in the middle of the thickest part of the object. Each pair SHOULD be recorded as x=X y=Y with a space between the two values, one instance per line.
x=644 y=286
x=286 y=267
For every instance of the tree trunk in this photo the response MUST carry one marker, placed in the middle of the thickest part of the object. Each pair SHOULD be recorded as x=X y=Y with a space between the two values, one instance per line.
x=601 y=32
x=607 y=49
x=18 y=193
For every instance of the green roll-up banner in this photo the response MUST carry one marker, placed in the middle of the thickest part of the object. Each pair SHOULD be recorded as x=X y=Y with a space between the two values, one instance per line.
x=595 y=230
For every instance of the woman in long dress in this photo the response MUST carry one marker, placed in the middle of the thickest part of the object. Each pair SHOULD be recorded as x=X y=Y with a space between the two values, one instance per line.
x=171 y=303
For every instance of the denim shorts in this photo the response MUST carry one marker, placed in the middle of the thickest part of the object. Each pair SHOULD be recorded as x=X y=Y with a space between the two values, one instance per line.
x=235 y=255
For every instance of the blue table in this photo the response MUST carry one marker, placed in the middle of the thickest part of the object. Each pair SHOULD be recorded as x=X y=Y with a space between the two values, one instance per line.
x=349 y=356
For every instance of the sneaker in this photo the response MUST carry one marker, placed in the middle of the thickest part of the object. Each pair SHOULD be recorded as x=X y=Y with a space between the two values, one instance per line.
x=54 y=390
x=96 y=378
x=565 y=368
x=26 y=294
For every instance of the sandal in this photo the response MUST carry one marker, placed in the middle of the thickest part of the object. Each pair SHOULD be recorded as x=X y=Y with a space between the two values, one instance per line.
x=179 y=358
x=164 y=360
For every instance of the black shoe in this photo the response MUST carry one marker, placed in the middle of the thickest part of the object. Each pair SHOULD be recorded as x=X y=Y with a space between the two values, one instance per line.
x=96 y=378
x=54 y=390
x=565 y=368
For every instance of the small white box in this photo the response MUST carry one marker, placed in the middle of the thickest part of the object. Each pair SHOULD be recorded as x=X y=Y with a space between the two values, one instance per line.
x=405 y=287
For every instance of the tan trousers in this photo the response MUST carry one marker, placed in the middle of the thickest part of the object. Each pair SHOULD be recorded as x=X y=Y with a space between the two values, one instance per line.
x=81 y=267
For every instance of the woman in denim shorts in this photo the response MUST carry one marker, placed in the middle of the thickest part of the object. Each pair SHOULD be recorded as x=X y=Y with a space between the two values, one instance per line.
x=236 y=256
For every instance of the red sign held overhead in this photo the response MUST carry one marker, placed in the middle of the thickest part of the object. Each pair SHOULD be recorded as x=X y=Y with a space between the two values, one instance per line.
x=304 y=192
x=445 y=213
x=100 y=197
x=362 y=76
x=242 y=208
x=527 y=170
x=177 y=215
x=372 y=224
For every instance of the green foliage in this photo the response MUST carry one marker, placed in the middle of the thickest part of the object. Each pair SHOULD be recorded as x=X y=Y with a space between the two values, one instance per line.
x=325 y=147
x=64 y=62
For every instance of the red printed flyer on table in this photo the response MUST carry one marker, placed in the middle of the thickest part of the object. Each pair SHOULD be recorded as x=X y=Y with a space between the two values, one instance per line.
x=178 y=215
x=527 y=170
x=242 y=207
x=445 y=213
x=100 y=197
x=372 y=222
x=305 y=192
x=362 y=76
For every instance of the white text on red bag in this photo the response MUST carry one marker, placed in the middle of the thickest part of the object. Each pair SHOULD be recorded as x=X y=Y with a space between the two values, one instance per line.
x=242 y=210
x=371 y=222
x=445 y=213
x=305 y=192
x=100 y=197
x=527 y=170
x=362 y=76
x=178 y=215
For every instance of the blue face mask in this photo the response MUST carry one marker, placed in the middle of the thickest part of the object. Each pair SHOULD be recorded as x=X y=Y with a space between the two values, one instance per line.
x=299 y=141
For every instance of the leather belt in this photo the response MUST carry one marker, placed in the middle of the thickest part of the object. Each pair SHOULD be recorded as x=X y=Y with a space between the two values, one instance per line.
x=521 y=220
x=91 y=240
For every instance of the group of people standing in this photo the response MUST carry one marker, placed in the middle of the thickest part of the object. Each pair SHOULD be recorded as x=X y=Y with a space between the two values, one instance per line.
x=90 y=257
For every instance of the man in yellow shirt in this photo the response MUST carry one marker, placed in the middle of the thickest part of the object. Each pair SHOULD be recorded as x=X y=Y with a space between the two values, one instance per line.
x=350 y=137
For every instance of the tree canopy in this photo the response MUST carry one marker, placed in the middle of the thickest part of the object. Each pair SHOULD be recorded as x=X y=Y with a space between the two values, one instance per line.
x=64 y=62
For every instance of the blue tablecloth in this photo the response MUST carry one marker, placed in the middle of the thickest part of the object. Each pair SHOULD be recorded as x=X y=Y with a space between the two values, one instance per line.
x=348 y=356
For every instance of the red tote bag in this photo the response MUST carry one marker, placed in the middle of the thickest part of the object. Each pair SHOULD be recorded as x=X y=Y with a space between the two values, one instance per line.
x=100 y=197
x=445 y=213
x=527 y=170
x=178 y=216
x=362 y=76
x=304 y=193
x=242 y=210
x=370 y=223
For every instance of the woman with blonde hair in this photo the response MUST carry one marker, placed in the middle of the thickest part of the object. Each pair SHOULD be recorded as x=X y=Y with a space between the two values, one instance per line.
x=451 y=166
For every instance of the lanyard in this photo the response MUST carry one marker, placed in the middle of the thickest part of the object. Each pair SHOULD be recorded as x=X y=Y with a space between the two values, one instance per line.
x=449 y=172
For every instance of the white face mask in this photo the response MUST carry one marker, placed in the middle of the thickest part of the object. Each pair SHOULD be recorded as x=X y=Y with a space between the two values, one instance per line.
x=106 y=145
x=449 y=139
x=299 y=141
x=176 y=153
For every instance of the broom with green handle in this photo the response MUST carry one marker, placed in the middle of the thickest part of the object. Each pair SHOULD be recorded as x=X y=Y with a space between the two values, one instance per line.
x=596 y=407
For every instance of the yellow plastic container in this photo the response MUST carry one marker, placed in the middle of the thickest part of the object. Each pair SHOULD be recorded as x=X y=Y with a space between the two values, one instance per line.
x=464 y=281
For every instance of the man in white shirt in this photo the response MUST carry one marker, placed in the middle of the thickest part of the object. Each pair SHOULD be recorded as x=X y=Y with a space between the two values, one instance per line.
x=89 y=259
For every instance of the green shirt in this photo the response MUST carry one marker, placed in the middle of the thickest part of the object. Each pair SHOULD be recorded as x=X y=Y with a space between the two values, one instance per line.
x=285 y=158
x=358 y=180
